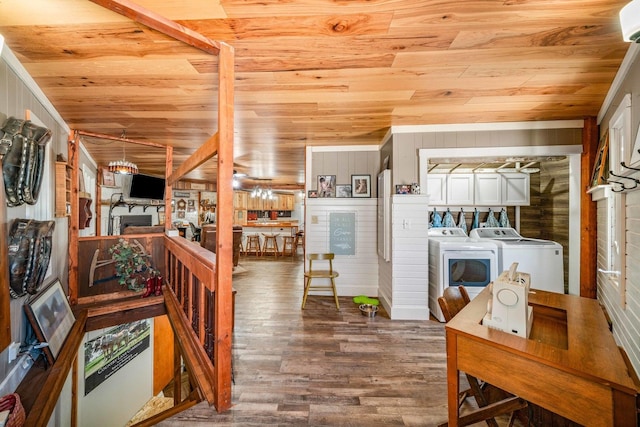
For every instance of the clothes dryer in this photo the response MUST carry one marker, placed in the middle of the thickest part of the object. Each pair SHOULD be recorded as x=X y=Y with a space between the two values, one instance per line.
x=455 y=259
x=542 y=259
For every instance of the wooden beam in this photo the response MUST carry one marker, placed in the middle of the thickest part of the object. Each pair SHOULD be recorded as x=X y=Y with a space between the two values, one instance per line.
x=117 y=138
x=202 y=154
x=160 y=23
x=74 y=220
x=588 y=220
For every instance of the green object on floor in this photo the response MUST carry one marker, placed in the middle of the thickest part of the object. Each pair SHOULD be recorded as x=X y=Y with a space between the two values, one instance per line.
x=363 y=299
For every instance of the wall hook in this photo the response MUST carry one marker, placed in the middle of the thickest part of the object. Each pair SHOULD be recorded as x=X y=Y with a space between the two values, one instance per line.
x=636 y=180
x=623 y=164
x=621 y=184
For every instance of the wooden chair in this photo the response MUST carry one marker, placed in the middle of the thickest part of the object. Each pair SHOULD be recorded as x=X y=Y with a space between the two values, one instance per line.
x=312 y=273
x=454 y=299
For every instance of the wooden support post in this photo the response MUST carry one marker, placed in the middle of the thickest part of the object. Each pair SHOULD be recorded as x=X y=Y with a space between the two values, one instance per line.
x=224 y=234
x=588 y=226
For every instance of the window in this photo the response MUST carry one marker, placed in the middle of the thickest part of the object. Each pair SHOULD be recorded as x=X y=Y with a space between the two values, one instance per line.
x=619 y=152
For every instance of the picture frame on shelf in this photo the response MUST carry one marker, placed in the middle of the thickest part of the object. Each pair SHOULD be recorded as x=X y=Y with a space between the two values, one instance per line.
x=403 y=189
x=313 y=194
x=326 y=186
x=51 y=318
x=360 y=185
x=343 y=191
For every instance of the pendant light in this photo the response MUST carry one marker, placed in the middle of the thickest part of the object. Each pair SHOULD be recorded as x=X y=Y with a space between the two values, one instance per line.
x=123 y=167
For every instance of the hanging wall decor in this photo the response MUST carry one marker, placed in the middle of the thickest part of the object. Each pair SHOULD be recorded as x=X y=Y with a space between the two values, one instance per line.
x=22 y=151
x=30 y=244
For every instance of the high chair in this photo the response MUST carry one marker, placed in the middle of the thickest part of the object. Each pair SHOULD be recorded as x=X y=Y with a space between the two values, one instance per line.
x=312 y=273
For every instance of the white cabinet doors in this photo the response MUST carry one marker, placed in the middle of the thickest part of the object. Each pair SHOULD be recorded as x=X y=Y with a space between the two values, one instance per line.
x=515 y=189
x=437 y=188
x=460 y=189
x=488 y=189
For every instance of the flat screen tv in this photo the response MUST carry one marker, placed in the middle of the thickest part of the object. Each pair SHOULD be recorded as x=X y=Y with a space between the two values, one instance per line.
x=147 y=187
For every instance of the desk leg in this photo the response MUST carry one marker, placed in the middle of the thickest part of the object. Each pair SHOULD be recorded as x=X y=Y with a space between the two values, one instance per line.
x=453 y=378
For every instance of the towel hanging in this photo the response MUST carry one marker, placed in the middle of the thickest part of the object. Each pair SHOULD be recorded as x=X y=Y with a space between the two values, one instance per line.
x=504 y=219
x=447 y=220
x=436 y=219
x=476 y=219
x=491 y=220
x=462 y=221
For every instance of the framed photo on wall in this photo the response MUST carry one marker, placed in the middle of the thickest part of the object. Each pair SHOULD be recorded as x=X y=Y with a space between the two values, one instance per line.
x=326 y=186
x=51 y=317
x=108 y=178
x=361 y=185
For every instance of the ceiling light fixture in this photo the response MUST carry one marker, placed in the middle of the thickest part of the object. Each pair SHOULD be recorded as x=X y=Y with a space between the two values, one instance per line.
x=123 y=167
x=630 y=21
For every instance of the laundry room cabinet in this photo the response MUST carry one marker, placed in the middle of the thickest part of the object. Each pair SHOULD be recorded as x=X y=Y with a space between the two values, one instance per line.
x=478 y=189
x=437 y=188
x=460 y=189
x=515 y=189
x=487 y=189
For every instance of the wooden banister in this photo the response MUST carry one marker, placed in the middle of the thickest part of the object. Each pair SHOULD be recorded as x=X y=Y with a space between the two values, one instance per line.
x=46 y=400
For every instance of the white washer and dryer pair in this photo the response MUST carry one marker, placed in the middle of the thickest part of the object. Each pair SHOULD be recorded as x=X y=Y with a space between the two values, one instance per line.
x=542 y=259
x=455 y=259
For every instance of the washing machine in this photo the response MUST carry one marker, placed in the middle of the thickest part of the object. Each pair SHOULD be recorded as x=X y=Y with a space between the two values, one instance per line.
x=455 y=259
x=542 y=259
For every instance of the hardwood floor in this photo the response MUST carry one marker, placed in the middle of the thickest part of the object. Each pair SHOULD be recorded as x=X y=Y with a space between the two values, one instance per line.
x=324 y=367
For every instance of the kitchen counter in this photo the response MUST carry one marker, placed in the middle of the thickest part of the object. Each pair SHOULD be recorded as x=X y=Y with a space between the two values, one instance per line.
x=271 y=223
x=280 y=228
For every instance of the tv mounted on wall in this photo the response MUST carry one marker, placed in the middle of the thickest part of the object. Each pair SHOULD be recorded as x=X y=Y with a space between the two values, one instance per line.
x=147 y=187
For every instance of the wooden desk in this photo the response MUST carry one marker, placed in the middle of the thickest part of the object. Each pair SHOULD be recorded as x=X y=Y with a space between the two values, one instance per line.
x=570 y=364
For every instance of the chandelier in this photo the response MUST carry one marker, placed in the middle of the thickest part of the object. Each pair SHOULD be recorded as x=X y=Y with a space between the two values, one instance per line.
x=262 y=193
x=123 y=167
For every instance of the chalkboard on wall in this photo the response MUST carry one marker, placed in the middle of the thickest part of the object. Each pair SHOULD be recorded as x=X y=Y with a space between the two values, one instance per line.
x=342 y=233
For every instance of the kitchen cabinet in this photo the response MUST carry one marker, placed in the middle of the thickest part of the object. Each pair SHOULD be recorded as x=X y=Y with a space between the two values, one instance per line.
x=515 y=189
x=240 y=200
x=460 y=189
x=488 y=189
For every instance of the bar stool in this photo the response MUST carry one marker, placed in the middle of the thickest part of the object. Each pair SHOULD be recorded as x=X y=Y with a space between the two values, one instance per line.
x=270 y=245
x=253 y=245
x=288 y=245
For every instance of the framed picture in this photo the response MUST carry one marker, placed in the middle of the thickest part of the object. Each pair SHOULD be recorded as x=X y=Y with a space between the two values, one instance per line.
x=51 y=318
x=191 y=202
x=326 y=186
x=343 y=191
x=361 y=185
x=313 y=194
x=108 y=178
x=403 y=189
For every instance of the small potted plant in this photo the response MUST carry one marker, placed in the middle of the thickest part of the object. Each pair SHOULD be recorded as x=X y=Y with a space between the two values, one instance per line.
x=132 y=264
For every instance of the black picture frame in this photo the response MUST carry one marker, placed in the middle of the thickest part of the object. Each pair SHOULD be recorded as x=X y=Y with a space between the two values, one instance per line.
x=313 y=194
x=51 y=317
x=360 y=185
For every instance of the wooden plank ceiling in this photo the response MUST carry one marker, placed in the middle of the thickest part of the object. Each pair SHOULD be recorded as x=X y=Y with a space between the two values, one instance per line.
x=312 y=72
